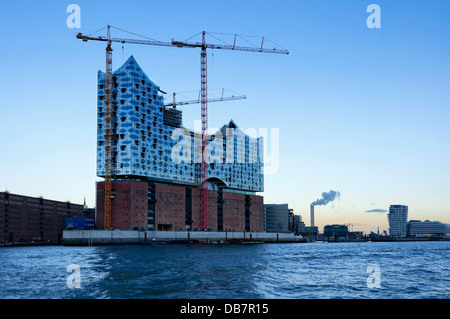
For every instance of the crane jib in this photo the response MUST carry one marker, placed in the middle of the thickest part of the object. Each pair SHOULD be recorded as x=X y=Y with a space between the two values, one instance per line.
x=184 y=44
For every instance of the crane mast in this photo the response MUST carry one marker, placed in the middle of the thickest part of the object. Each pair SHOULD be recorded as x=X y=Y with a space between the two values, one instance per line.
x=108 y=135
x=204 y=103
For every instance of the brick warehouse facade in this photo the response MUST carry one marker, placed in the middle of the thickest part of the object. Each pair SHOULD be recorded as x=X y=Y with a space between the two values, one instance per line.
x=257 y=215
x=167 y=207
x=170 y=207
x=129 y=204
x=24 y=218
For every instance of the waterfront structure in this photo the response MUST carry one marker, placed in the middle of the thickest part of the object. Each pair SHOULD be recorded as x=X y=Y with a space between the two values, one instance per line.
x=82 y=223
x=417 y=228
x=112 y=237
x=156 y=164
x=300 y=224
x=296 y=226
x=397 y=217
x=276 y=218
x=311 y=231
x=24 y=218
x=335 y=231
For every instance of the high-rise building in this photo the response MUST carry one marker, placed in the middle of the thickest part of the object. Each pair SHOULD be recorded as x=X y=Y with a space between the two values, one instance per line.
x=157 y=163
x=398 y=217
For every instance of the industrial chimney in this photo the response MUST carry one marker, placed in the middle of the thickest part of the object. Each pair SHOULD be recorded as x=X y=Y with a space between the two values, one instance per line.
x=326 y=198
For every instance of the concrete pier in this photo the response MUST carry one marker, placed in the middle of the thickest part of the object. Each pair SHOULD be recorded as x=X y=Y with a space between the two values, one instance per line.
x=134 y=237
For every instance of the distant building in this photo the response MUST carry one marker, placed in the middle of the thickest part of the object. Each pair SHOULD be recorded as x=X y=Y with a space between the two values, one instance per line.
x=295 y=223
x=335 y=230
x=397 y=217
x=417 y=228
x=89 y=212
x=311 y=231
x=276 y=218
x=301 y=224
x=356 y=234
x=24 y=218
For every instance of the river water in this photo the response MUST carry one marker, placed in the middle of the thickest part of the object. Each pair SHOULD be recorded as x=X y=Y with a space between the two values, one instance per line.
x=378 y=270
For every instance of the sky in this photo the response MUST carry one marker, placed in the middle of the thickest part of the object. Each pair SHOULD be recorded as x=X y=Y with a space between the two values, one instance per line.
x=358 y=110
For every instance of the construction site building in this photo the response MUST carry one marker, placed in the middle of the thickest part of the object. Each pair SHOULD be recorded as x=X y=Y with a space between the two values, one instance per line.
x=157 y=164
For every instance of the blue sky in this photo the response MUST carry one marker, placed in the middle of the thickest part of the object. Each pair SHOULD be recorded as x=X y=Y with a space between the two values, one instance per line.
x=361 y=111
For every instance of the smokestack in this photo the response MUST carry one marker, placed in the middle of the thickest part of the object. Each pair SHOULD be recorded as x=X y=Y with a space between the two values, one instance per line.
x=326 y=198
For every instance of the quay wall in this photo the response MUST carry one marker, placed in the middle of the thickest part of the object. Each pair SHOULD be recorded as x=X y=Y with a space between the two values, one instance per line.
x=117 y=237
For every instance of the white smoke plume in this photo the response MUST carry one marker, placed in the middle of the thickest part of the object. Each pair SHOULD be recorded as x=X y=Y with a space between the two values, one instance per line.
x=326 y=198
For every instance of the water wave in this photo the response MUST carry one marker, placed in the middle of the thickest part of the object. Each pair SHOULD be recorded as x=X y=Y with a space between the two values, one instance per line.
x=288 y=271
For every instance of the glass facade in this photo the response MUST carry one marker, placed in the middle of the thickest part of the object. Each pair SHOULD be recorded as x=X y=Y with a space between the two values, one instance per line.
x=276 y=218
x=151 y=144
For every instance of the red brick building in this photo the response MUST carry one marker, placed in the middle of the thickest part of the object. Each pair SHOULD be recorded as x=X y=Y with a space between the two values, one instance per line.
x=24 y=218
x=129 y=204
x=212 y=209
x=171 y=207
x=234 y=211
x=257 y=215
